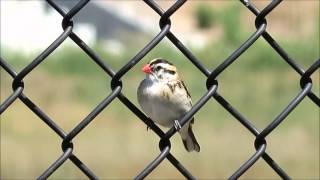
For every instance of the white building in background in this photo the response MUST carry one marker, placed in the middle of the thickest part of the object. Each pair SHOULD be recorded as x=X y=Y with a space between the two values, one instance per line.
x=25 y=26
x=30 y=26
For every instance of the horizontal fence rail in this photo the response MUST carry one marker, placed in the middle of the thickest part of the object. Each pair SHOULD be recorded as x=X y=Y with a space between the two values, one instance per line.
x=260 y=144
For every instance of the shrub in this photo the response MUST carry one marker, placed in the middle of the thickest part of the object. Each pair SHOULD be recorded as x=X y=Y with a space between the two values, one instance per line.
x=204 y=15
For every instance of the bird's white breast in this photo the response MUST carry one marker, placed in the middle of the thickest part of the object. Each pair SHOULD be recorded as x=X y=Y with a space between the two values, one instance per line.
x=154 y=103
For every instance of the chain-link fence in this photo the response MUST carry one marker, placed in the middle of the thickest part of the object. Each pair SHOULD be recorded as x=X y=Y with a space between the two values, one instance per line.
x=116 y=86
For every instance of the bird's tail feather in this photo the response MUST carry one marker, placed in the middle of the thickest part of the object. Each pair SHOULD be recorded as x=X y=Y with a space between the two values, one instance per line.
x=190 y=142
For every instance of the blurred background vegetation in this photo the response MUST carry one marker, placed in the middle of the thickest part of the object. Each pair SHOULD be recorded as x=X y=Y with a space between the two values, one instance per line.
x=68 y=85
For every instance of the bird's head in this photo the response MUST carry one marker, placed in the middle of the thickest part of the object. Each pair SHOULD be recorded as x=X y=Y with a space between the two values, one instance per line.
x=160 y=70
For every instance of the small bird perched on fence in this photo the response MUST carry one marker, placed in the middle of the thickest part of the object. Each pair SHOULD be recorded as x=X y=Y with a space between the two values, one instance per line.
x=164 y=97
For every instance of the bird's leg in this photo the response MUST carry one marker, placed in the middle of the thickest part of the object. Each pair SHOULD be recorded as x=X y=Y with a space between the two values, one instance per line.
x=177 y=125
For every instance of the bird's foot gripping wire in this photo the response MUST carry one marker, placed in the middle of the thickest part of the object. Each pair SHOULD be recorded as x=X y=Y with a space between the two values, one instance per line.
x=177 y=125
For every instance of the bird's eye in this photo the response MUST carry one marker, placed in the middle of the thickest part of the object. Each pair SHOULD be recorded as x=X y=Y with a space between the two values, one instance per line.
x=158 y=68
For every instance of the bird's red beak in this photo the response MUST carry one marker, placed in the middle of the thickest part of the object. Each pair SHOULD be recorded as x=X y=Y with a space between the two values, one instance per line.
x=147 y=69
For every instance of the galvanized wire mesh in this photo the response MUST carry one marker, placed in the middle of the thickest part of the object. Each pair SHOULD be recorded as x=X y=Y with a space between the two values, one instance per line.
x=116 y=86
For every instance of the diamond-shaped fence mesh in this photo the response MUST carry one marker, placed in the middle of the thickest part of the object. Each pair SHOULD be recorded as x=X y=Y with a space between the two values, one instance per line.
x=116 y=86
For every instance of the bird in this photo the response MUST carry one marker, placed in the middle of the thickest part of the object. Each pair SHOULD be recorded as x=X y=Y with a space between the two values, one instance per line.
x=164 y=98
